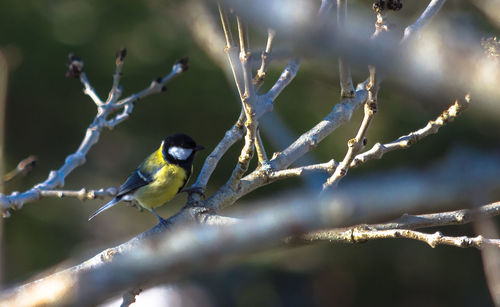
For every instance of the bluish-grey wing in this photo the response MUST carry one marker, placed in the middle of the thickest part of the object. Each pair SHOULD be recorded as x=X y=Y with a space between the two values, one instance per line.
x=136 y=180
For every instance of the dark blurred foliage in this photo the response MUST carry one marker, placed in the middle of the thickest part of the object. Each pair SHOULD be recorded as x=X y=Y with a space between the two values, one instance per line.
x=47 y=115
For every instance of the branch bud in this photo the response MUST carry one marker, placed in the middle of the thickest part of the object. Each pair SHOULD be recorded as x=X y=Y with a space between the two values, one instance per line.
x=120 y=55
x=75 y=66
x=184 y=62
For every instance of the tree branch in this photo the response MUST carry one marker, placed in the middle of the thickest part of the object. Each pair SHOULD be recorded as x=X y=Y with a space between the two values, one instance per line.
x=404 y=228
x=230 y=137
x=430 y=11
x=261 y=151
x=404 y=142
x=340 y=115
x=192 y=249
x=346 y=86
x=360 y=236
x=231 y=50
x=104 y=110
x=356 y=144
x=285 y=78
x=22 y=168
x=265 y=58
x=82 y=194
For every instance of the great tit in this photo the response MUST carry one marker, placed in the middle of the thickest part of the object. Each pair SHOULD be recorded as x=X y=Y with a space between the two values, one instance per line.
x=160 y=176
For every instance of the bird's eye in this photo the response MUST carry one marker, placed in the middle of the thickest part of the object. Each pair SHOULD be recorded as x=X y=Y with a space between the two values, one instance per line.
x=179 y=153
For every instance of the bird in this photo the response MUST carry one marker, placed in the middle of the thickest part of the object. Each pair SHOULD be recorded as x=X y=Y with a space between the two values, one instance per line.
x=160 y=176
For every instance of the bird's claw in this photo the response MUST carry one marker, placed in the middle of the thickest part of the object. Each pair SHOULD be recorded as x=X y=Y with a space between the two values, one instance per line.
x=163 y=222
x=193 y=190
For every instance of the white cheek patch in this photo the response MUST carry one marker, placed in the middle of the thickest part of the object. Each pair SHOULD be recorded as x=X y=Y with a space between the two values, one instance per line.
x=179 y=153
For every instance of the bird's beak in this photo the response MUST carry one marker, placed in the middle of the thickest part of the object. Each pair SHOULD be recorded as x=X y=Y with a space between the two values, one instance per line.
x=199 y=147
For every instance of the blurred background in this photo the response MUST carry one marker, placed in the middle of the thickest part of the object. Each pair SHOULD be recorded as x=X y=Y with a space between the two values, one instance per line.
x=47 y=114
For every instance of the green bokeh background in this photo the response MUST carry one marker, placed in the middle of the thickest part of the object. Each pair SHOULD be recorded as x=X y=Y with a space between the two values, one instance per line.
x=47 y=115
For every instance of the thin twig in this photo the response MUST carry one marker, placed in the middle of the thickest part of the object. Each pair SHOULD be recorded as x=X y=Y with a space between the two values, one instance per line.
x=56 y=178
x=265 y=58
x=115 y=91
x=327 y=167
x=89 y=90
x=225 y=197
x=378 y=150
x=246 y=67
x=243 y=36
x=157 y=85
x=404 y=142
x=230 y=137
x=456 y=217
x=82 y=194
x=429 y=12
x=356 y=144
x=259 y=146
x=346 y=86
x=340 y=115
x=360 y=235
x=249 y=101
x=231 y=50
x=22 y=168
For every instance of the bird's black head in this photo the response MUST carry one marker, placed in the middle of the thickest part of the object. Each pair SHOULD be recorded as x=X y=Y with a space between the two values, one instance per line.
x=179 y=149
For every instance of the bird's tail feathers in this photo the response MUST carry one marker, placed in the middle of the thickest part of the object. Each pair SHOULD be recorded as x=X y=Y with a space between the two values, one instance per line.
x=113 y=202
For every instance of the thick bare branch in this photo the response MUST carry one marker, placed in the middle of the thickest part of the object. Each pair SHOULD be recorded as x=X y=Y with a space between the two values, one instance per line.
x=182 y=252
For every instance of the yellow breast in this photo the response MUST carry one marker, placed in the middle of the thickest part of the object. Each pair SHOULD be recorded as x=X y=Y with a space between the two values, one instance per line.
x=167 y=182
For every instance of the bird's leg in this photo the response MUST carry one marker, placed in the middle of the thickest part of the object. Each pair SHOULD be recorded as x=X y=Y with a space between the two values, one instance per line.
x=162 y=221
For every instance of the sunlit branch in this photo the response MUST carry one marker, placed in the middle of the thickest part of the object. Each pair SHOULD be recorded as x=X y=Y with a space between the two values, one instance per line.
x=56 y=178
x=355 y=145
x=429 y=12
